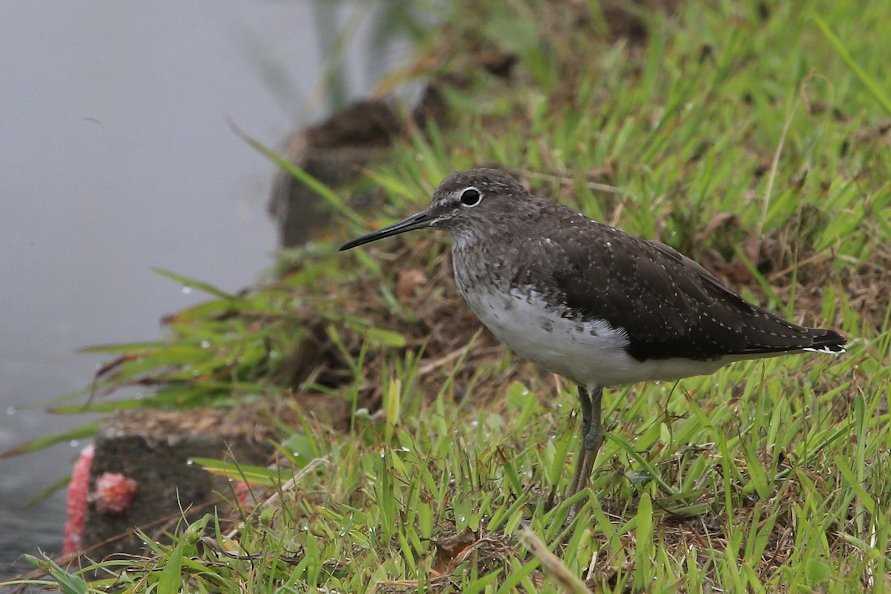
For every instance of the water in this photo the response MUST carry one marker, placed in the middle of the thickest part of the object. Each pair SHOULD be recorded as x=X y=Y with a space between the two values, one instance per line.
x=115 y=157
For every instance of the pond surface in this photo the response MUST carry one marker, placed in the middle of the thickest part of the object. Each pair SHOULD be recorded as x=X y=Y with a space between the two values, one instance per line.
x=115 y=157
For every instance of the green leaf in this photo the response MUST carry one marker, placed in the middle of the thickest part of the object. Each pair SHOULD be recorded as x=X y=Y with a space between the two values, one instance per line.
x=302 y=447
x=518 y=397
x=196 y=529
x=123 y=348
x=41 y=443
x=649 y=468
x=518 y=36
x=387 y=338
x=394 y=185
x=101 y=407
x=254 y=475
x=845 y=55
x=643 y=539
x=557 y=465
x=68 y=582
x=818 y=571
x=48 y=492
x=757 y=473
x=392 y=401
x=304 y=177
x=171 y=577
x=865 y=498
x=192 y=283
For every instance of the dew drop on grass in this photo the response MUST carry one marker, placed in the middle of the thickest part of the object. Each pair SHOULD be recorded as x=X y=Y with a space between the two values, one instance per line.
x=190 y=462
x=205 y=344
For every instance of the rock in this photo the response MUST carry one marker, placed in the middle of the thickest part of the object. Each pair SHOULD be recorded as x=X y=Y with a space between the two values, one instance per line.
x=334 y=152
x=140 y=474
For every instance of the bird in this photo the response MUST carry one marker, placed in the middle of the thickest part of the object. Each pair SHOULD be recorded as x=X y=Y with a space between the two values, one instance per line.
x=589 y=302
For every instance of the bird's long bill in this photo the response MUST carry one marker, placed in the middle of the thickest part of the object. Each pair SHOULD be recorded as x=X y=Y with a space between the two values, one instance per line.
x=420 y=220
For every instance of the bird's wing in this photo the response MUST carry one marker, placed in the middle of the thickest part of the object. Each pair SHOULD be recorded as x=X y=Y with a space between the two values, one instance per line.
x=668 y=305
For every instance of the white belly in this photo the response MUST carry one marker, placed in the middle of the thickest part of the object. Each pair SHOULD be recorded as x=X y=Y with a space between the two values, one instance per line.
x=589 y=353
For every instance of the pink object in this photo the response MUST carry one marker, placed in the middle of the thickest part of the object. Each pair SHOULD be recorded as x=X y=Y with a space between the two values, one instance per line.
x=114 y=493
x=243 y=494
x=76 y=505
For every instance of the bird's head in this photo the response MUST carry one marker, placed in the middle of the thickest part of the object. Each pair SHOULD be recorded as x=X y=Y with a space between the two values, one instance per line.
x=464 y=200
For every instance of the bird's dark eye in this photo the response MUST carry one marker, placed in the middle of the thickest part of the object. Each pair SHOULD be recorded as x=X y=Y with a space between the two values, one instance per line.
x=471 y=197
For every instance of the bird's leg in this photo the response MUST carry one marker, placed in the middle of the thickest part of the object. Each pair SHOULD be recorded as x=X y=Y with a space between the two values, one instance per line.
x=594 y=437
x=585 y=406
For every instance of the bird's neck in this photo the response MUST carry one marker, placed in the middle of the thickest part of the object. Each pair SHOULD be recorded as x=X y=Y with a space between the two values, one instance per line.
x=478 y=236
x=484 y=258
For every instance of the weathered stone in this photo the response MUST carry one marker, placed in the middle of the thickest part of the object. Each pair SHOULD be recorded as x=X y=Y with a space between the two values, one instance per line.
x=153 y=448
x=334 y=152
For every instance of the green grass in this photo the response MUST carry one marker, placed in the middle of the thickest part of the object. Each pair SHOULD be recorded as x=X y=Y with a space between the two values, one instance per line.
x=751 y=141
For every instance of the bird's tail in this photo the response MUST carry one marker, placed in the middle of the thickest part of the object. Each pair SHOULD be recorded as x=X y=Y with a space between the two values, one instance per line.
x=826 y=341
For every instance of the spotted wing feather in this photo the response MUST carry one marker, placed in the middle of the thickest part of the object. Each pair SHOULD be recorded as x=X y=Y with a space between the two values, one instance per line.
x=668 y=305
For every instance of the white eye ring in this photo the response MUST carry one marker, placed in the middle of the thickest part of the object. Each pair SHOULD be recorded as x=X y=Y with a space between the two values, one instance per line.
x=471 y=197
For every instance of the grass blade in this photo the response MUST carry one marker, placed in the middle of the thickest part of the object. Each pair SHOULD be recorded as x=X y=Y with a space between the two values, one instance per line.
x=171 y=577
x=845 y=55
x=43 y=442
x=192 y=283
x=303 y=176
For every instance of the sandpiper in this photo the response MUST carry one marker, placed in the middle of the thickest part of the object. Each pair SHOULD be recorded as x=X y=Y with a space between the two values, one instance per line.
x=590 y=302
